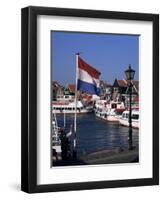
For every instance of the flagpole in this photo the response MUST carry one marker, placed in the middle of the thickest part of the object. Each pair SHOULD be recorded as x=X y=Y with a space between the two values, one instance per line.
x=75 y=116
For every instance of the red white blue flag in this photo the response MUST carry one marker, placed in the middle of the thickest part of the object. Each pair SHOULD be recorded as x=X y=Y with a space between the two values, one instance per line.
x=88 y=78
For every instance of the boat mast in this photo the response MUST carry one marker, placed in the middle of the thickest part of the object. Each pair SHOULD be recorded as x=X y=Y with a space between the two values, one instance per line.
x=64 y=118
x=56 y=126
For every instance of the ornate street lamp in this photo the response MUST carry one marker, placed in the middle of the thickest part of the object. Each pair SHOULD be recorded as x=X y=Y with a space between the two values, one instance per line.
x=129 y=77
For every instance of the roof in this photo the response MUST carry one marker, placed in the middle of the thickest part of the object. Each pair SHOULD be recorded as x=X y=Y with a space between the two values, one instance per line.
x=136 y=99
x=120 y=83
x=71 y=88
x=105 y=84
x=55 y=84
x=136 y=84
x=123 y=83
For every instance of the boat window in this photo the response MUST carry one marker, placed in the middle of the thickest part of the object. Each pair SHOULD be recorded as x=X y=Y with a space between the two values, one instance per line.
x=134 y=116
x=114 y=105
x=115 y=89
x=127 y=115
x=123 y=115
x=119 y=112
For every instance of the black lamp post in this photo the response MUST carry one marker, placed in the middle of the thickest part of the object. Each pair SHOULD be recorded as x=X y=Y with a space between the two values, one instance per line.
x=130 y=76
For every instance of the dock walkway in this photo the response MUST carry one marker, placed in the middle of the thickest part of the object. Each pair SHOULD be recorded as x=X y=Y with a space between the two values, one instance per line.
x=102 y=157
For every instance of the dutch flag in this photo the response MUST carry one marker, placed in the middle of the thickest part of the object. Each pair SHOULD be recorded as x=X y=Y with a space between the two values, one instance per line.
x=88 y=78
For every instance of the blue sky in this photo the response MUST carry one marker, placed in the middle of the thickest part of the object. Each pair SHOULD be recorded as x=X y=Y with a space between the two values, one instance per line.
x=109 y=53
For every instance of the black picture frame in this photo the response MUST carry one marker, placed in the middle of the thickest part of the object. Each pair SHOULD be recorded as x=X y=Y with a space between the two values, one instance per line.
x=29 y=99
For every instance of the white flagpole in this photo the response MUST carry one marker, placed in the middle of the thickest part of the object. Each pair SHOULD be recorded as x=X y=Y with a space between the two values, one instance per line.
x=75 y=116
x=76 y=82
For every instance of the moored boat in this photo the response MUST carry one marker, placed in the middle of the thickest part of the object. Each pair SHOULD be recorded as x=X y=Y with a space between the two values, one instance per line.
x=57 y=134
x=69 y=107
x=109 y=110
x=124 y=120
x=56 y=143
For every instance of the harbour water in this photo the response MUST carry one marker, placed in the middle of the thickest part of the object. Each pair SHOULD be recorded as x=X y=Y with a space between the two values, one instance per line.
x=94 y=134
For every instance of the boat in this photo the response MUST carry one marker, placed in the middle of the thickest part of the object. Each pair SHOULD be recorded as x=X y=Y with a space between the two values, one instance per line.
x=56 y=143
x=109 y=110
x=56 y=139
x=69 y=107
x=125 y=118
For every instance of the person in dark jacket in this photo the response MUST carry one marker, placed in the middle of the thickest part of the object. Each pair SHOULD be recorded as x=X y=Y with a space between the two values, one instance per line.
x=64 y=144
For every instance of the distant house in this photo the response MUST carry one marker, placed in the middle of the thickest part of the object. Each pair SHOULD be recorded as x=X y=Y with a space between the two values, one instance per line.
x=69 y=92
x=71 y=89
x=106 y=90
x=135 y=102
x=120 y=90
x=57 y=89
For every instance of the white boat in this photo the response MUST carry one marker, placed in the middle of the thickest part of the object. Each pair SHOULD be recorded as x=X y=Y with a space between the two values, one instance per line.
x=69 y=107
x=109 y=110
x=56 y=143
x=56 y=139
x=125 y=117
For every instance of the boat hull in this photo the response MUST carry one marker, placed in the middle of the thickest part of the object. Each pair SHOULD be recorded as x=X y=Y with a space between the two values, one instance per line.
x=124 y=122
x=109 y=118
x=72 y=111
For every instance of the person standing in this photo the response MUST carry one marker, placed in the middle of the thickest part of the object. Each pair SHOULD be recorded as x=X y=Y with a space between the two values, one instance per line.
x=64 y=144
